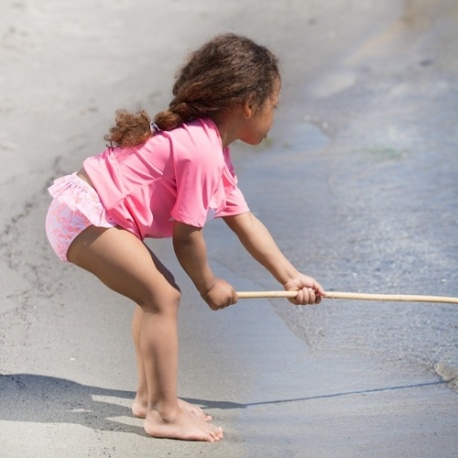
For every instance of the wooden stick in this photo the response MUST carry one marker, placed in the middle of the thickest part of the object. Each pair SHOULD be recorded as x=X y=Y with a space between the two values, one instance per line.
x=391 y=297
x=352 y=296
x=265 y=294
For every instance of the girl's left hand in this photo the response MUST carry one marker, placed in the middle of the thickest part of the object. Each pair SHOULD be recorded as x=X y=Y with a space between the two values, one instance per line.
x=220 y=295
x=309 y=291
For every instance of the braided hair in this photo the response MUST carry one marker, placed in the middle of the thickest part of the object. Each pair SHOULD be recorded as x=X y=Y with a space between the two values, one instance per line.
x=225 y=72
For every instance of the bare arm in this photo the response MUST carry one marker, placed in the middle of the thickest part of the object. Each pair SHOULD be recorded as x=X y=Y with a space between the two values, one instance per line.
x=191 y=251
x=257 y=240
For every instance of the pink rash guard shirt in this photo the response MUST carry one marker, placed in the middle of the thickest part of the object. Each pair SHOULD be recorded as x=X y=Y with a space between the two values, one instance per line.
x=182 y=175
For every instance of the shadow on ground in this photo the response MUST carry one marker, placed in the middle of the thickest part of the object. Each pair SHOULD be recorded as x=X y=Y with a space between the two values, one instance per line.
x=44 y=399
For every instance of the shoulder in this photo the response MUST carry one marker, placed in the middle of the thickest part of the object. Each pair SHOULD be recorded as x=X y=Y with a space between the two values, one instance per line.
x=198 y=138
x=204 y=128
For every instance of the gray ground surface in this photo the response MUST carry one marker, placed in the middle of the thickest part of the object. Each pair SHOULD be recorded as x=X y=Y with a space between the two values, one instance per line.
x=358 y=183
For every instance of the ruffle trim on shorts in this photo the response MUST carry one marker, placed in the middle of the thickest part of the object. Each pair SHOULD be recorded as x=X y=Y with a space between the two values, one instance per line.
x=79 y=195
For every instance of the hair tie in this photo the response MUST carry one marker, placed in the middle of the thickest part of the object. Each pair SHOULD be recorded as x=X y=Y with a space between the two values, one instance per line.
x=154 y=127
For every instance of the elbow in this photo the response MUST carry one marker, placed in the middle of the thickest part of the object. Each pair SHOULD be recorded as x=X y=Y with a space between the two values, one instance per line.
x=184 y=235
x=241 y=224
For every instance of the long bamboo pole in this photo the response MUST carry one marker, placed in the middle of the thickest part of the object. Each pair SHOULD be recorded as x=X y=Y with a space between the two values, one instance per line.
x=351 y=296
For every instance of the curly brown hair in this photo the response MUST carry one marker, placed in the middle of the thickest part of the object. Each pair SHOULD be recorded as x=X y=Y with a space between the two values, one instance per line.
x=225 y=72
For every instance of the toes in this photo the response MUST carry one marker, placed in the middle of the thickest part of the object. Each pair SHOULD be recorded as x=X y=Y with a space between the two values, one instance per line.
x=206 y=416
x=198 y=412
x=217 y=434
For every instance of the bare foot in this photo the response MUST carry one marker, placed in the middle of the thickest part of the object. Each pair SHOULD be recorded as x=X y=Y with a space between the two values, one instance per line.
x=139 y=409
x=183 y=426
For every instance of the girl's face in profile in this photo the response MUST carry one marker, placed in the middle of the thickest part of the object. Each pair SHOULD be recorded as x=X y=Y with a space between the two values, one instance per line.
x=258 y=123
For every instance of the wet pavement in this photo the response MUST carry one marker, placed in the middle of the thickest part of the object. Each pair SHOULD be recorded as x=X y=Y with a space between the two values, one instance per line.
x=366 y=193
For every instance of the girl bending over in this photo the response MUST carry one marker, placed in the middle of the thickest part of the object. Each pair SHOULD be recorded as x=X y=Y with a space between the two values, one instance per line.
x=167 y=178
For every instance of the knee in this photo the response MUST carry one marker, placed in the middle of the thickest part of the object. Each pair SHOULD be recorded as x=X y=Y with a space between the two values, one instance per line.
x=175 y=297
x=162 y=302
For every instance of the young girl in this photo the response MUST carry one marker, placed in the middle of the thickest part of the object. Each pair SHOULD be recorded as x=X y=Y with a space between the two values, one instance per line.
x=167 y=179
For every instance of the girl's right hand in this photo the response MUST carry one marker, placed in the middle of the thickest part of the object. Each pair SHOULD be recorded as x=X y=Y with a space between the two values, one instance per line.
x=309 y=291
x=220 y=295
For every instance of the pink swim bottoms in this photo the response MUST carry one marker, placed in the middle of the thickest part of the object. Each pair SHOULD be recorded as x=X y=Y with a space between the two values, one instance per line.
x=75 y=206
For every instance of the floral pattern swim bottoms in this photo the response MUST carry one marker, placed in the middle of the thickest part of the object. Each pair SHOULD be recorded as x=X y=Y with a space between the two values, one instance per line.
x=75 y=206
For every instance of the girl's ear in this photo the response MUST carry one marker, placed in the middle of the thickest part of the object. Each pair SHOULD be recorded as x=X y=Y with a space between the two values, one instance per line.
x=248 y=108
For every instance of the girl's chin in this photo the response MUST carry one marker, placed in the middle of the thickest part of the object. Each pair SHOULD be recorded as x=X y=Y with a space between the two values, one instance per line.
x=254 y=142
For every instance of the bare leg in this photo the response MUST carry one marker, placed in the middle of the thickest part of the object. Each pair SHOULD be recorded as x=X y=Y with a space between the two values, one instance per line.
x=122 y=262
x=140 y=405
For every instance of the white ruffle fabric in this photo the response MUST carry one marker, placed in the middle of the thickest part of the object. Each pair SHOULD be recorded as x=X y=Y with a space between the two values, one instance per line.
x=75 y=206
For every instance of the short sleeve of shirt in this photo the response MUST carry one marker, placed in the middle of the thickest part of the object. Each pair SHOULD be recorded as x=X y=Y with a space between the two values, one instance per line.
x=196 y=182
x=205 y=181
x=235 y=203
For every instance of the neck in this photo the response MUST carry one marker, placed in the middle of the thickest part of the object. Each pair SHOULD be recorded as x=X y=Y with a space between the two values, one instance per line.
x=227 y=125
